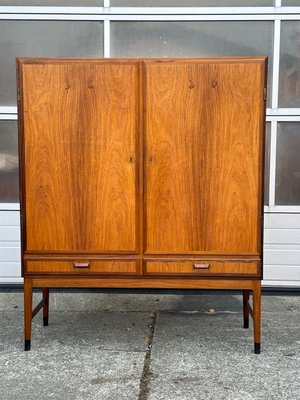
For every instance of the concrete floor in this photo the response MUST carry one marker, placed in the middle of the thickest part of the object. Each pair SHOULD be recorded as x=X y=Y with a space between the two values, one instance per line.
x=113 y=346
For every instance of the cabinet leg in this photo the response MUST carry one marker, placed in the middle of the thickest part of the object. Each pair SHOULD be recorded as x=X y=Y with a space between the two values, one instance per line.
x=27 y=312
x=245 y=308
x=257 y=315
x=45 y=306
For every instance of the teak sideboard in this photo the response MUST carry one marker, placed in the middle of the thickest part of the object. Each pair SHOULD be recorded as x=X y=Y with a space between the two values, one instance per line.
x=142 y=173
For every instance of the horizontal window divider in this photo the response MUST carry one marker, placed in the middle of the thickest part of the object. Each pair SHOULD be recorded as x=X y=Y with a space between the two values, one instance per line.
x=10 y=206
x=8 y=110
x=204 y=10
x=281 y=209
x=283 y=111
x=283 y=118
x=146 y=17
x=8 y=117
x=148 y=10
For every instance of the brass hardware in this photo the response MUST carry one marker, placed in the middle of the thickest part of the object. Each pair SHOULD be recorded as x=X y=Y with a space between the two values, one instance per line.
x=82 y=265
x=18 y=95
x=214 y=84
x=131 y=159
x=151 y=158
x=201 y=266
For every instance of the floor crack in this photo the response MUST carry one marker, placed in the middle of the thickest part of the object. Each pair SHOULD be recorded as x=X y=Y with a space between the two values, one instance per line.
x=146 y=375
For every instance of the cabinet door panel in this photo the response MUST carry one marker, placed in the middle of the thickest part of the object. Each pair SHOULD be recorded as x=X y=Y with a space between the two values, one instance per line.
x=80 y=127
x=203 y=134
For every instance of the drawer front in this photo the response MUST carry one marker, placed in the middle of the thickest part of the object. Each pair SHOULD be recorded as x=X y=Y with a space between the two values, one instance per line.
x=82 y=267
x=201 y=268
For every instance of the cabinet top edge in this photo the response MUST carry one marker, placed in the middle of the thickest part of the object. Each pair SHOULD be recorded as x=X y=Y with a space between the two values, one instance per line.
x=157 y=60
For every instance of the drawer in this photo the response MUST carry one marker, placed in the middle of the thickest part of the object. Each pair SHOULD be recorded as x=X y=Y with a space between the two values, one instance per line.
x=82 y=267
x=201 y=268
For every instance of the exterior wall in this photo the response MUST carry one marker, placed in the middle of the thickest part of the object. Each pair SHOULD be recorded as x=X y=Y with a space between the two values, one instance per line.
x=116 y=28
x=282 y=250
x=10 y=265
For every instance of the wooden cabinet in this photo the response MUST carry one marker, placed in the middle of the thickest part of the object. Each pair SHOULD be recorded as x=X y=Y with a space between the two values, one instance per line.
x=142 y=173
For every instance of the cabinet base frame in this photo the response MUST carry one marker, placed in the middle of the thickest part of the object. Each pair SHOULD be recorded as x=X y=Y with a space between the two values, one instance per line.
x=246 y=285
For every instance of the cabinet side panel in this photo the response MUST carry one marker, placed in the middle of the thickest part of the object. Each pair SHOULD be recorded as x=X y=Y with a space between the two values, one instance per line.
x=80 y=127
x=203 y=129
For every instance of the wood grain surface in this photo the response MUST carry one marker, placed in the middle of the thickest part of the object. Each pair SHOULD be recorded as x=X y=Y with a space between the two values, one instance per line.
x=99 y=267
x=147 y=282
x=148 y=166
x=80 y=130
x=203 y=139
x=214 y=267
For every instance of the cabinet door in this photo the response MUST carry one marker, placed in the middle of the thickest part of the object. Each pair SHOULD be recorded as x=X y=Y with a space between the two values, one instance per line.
x=79 y=161
x=203 y=134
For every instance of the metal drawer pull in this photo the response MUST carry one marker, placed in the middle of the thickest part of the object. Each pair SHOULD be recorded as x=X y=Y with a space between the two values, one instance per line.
x=81 y=265
x=201 y=266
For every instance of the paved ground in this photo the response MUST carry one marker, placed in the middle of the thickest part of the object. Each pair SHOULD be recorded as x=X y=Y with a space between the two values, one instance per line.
x=113 y=346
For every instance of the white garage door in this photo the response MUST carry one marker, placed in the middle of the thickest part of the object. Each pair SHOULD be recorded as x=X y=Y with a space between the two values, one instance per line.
x=166 y=28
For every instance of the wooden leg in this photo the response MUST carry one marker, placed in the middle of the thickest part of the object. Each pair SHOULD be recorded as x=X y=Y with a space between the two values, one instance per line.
x=27 y=312
x=257 y=315
x=245 y=308
x=45 y=306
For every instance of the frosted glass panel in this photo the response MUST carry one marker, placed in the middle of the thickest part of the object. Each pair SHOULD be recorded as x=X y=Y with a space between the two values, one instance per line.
x=43 y=39
x=190 y=3
x=289 y=88
x=288 y=164
x=9 y=183
x=290 y=3
x=193 y=39
x=62 y=3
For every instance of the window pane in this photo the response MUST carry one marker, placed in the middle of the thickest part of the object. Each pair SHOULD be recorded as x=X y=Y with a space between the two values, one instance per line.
x=190 y=3
x=289 y=88
x=193 y=39
x=288 y=164
x=290 y=3
x=43 y=39
x=267 y=163
x=62 y=3
x=9 y=182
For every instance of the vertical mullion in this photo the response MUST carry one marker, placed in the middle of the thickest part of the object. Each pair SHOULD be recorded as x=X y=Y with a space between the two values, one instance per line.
x=276 y=57
x=106 y=38
x=272 y=175
x=277 y=3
